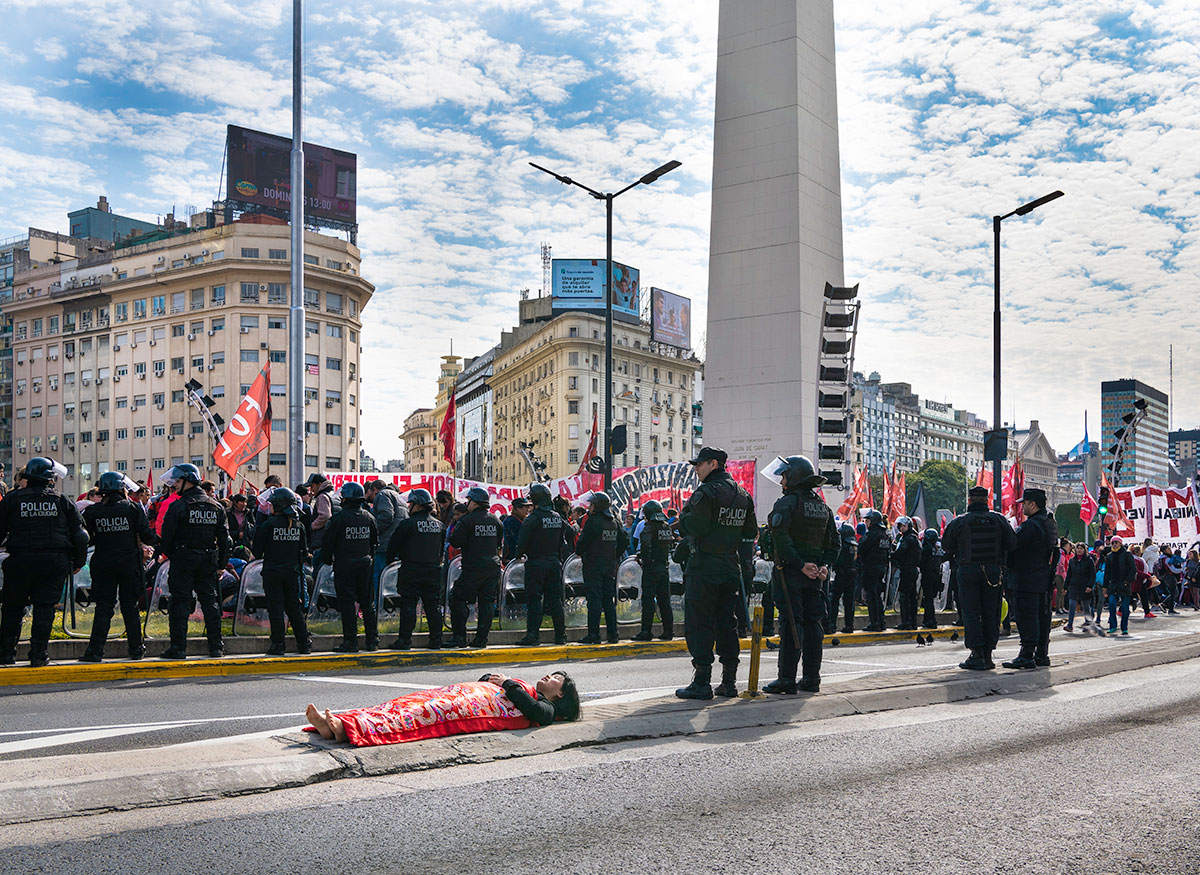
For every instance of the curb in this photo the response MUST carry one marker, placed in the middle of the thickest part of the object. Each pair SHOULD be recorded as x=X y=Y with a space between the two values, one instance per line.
x=125 y=780
x=154 y=669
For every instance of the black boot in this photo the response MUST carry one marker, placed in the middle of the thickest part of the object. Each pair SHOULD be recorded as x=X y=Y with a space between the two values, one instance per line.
x=701 y=685
x=977 y=661
x=8 y=650
x=728 y=686
x=1024 y=660
x=810 y=684
x=644 y=635
x=782 y=686
x=1042 y=659
x=560 y=629
x=92 y=655
x=532 y=639
x=39 y=636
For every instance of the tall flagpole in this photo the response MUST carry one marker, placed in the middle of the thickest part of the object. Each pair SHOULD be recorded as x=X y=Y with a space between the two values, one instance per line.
x=295 y=388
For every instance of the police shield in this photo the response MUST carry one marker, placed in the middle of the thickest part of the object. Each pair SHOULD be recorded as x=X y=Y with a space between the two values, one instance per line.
x=156 y=623
x=774 y=469
x=79 y=607
x=324 y=618
x=512 y=592
x=387 y=600
x=574 y=601
x=629 y=590
x=250 y=614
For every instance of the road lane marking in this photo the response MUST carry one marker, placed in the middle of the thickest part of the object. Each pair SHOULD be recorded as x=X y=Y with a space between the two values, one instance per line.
x=150 y=725
x=362 y=682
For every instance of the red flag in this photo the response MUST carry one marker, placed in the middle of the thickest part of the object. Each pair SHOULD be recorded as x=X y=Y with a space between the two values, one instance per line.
x=1012 y=486
x=591 y=447
x=448 y=432
x=249 y=432
x=1117 y=521
x=150 y=482
x=899 y=498
x=984 y=478
x=854 y=498
x=1087 y=510
x=864 y=490
x=885 y=506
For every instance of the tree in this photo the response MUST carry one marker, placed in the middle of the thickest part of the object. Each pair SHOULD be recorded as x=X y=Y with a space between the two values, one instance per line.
x=945 y=484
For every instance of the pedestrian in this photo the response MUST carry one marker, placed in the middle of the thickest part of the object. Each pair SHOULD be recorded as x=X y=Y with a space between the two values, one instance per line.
x=521 y=507
x=932 y=559
x=717 y=517
x=845 y=573
x=544 y=540
x=874 y=550
x=906 y=556
x=195 y=539
x=1142 y=583
x=44 y=536
x=654 y=555
x=445 y=506
x=1191 y=593
x=1080 y=584
x=388 y=510
x=417 y=543
x=601 y=544
x=807 y=544
x=117 y=528
x=281 y=542
x=479 y=535
x=240 y=520
x=324 y=505
x=1167 y=579
x=1120 y=570
x=1033 y=561
x=349 y=543
x=1058 y=592
x=978 y=543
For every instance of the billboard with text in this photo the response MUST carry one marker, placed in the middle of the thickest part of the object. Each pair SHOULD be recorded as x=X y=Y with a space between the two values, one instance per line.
x=260 y=172
x=578 y=284
x=670 y=319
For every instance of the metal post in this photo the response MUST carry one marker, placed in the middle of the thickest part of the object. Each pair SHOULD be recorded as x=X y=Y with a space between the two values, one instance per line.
x=997 y=464
x=608 y=344
x=295 y=428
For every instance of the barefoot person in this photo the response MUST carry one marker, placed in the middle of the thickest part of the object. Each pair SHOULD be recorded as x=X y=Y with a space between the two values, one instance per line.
x=493 y=702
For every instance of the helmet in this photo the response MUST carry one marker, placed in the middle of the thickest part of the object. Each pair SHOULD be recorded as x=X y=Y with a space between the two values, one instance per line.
x=860 y=529
x=904 y=521
x=187 y=472
x=599 y=500
x=284 y=500
x=932 y=534
x=41 y=469
x=478 y=493
x=352 y=491
x=846 y=531
x=420 y=496
x=539 y=494
x=652 y=510
x=874 y=517
x=111 y=481
x=799 y=470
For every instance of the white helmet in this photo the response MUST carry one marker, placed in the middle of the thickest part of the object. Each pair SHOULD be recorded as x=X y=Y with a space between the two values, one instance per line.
x=903 y=521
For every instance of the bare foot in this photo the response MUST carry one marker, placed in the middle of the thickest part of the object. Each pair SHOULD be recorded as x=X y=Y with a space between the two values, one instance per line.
x=319 y=722
x=336 y=726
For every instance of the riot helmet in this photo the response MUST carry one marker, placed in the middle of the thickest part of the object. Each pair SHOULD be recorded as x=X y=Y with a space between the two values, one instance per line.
x=846 y=531
x=873 y=517
x=903 y=521
x=352 y=491
x=110 y=482
x=798 y=471
x=185 y=472
x=42 y=470
x=479 y=494
x=599 y=501
x=283 y=500
x=539 y=494
x=652 y=510
x=420 y=497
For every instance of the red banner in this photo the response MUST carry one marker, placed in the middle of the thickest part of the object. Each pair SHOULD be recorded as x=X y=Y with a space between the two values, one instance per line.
x=899 y=499
x=448 y=432
x=249 y=432
x=1088 y=507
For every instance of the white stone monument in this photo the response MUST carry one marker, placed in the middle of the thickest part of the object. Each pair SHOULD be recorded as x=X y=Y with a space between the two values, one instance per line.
x=776 y=227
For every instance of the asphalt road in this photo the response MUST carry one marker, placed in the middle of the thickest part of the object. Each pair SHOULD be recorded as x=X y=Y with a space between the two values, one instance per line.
x=1096 y=777
x=42 y=721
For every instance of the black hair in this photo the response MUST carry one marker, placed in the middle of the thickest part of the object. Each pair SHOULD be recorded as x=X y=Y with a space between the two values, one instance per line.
x=566 y=706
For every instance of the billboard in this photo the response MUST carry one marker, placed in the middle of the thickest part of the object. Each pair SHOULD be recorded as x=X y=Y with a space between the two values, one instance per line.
x=260 y=172
x=578 y=284
x=670 y=318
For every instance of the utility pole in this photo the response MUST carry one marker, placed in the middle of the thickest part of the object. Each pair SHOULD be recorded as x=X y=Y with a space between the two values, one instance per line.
x=295 y=368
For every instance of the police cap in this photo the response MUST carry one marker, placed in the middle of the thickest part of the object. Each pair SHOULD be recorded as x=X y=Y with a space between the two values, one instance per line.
x=1038 y=496
x=977 y=492
x=707 y=454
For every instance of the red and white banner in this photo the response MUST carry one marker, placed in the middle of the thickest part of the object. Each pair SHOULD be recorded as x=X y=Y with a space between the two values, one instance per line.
x=249 y=432
x=1088 y=507
x=1167 y=516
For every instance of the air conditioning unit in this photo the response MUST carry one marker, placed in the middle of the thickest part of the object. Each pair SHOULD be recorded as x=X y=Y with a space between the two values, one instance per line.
x=20 y=391
x=116 y=379
x=252 y=467
x=264 y=346
x=160 y=373
x=203 y=252
x=142 y=375
x=21 y=450
x=179 y=370
x=99 y=381
x=212 y=367
x=187 y=255
x=116 y=347
x=69 y=355
x=87 y=382
x=116 y=270
x=170 y=437
x=191 y=337
x=54 y=358
x=159 y=406
x=328 y=403
x=262 y=287
x=154 y=343
x=307 y=401
x=83 y=415
x=36 y=414
x=245 y=330
x=37 y=388
x=133 y=346
x=212 y=334
x=160 y=259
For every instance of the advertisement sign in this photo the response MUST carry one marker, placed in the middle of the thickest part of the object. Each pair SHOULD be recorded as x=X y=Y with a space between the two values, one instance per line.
x=578 y=284
x=260 y=172
x=670 y=318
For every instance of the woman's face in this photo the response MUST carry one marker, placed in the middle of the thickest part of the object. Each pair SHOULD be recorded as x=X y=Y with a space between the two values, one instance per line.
x=1080 y=549
x=551 y=686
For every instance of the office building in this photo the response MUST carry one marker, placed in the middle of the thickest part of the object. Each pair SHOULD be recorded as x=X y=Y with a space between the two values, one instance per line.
x=1146 y=452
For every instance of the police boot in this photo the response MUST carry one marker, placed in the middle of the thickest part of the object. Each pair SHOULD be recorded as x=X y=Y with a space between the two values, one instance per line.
x=349 y=635
x=977 y=661
x=781 y=686
x=93 y=654
x=532 y=639
x=809 y=684
x=177 y=618
x=701 y=685
x=8 y=650
x=560 y=629
x=39 y=637
x=1042 y=658
x=371 y=625
x=644 y=635
x=1024 y=660
x=728 y=686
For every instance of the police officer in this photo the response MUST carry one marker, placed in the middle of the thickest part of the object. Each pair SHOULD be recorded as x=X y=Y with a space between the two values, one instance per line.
x=874 y=550
x=479 y=535
x=601 y=545
x=654 y=555
x=978 y=543
x=349 y=544
x=807 y=543
x=543 y=542
x=1033 y=561
x=118 y=527
x=45 y=540
x=932 y=559
x=417 y=544
x=195 y=538
x=715 y=520
x=281 y=542
x=845 y=576
x=906 y=556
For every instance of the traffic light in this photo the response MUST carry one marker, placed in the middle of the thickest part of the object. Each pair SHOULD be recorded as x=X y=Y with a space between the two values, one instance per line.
x=620 y=439
x=1102 y=509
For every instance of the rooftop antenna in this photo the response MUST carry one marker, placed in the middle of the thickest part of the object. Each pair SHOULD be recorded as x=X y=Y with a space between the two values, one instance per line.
x=546 y=262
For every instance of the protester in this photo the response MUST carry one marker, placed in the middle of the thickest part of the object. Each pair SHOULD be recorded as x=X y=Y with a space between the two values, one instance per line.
x=1119 y=574
x=240 y=520
x=1080 y=582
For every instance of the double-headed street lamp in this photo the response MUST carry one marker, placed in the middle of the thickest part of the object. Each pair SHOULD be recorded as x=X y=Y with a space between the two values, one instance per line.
x=997 y=447
x=650 y=177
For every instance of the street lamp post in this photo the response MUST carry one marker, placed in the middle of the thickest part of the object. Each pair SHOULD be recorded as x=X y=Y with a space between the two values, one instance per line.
x=997 y=461
x=608 y=198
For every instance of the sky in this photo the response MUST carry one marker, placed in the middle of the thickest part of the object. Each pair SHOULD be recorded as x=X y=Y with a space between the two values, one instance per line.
x=950 y=112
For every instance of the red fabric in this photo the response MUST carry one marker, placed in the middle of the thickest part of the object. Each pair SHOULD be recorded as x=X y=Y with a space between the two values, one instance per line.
x=591 y=447
x=161 y=516
x=249 y=432
x=478 y=706
x=448 y=431
x=1088 y=507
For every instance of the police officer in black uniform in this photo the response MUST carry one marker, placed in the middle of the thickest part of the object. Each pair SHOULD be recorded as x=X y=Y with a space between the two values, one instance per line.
x=845 y=576
x=932 y=559
x=417 y=544
x=807 y=543
x=907 y=557
x=1033 y=561
x=349 y=544
x=978 y=543
x=479 y=535
x=281 y=542
x=715 y=520
x=601 y=545
x=874 y=550
x=543 y=542
x=118 y=527
x=44 y=536
x=195 y=538
x=654 y=555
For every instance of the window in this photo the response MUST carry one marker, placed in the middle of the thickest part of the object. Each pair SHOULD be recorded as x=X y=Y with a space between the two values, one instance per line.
x=177 y=330
x=333 y=464
x=573 y=331
x=250 y=322
x=573 y=432
x=333 y=395
x=278 y=390
x=85 y=437
x=353 y=307
x=573 y=359
x=198 y=362
x=332 y=428
x=158 y=305
x=52 y=325
x=178 y=302
x=279 y=425
x=333 y=364
x=176 y=428
x=139 y=336
x=197 y=428
x=176 y=363
x=249 y=355
x=158 y=431
x=572 y=408
x=310 y=428
x=139 y=432
x=276 y=458
x=332 y=330
x=277 y=254
x=250 y=294
x=197 y=299
x=572 y=457
x=218 y=358
x=217 y=391
x=139 y=401
x=333 y=265
x=312 y=297
x=249 y=253
x=196 y=327
x=218 y=324
x=311 y=327
x=312 y=259
x=277 y=293
x=276 y=322
x=278 y=355
x=122 y=434
x=333 y=303
x=353 y=336
x=37 y=327
x=218 y=294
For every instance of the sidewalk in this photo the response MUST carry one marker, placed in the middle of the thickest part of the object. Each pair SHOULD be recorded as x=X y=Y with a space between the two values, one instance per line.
x=64 y=786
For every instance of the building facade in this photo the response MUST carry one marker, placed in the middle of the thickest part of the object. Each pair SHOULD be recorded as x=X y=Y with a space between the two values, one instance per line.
x=104 y=343
x=950 y=435
x=1182 y=444
x=1038 y=459
x=476 y=417
x=1146 y=454
x=874 y=424
x=421 y=448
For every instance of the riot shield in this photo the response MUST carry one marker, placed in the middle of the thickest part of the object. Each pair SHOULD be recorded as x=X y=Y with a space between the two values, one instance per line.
x=387 y=605
x=512 y=592
x=574 y=601
x=629 y=590
x=323 y=615
x=250 y=615
x=79 y=608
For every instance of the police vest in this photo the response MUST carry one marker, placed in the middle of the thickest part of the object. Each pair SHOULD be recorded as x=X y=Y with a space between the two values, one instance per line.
x=983 y=541
x=805 y=518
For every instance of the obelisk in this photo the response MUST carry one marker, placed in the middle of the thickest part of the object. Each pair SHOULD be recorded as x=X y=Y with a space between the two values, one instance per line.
x=776 y=226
